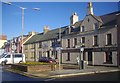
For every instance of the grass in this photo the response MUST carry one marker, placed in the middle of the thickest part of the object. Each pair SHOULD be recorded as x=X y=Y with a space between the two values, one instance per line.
x=35 y=63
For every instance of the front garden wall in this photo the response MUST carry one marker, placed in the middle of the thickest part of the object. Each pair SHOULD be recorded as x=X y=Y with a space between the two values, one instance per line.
x=35 y=68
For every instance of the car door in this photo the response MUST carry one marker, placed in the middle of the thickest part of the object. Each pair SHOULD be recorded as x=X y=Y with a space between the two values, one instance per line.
x=8 y=59
x=17 y=58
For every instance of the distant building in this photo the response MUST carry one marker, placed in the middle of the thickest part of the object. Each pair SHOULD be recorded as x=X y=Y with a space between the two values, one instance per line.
x=15 y=44
x=3 y=39
x=43 y=44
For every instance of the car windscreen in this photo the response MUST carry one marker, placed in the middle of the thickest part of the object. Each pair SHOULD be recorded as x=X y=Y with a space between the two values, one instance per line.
x=3 y=56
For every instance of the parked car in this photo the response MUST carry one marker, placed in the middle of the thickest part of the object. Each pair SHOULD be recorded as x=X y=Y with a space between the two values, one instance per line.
x=12 y=58
x=47 y=59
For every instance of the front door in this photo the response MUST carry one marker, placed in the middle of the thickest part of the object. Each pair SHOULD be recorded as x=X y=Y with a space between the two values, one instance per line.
x=89 y=58
x=48 y=54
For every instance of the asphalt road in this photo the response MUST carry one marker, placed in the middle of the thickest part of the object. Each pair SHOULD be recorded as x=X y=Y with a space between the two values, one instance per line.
x=9 y=76
x=112 y=76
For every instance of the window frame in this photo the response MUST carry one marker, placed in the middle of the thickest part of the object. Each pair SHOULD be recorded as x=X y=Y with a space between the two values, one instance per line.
x=82 y=28
x=109 y=37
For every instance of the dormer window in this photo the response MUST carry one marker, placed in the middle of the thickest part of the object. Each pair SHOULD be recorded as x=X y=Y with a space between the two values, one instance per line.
x=95 y=26
x=82 y=29
x=88 y=19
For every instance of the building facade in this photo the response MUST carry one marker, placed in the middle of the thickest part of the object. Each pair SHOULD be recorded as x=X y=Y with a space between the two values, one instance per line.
x=43 y=44
x=15 y=44
x=3 y=39
x=95 y=39
x=97 y=35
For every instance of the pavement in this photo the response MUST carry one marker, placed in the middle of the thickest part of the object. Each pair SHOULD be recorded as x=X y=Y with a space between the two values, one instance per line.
x=68 y=72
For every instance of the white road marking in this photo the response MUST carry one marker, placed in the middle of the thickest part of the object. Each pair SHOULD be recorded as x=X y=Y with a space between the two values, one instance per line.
x=50 y=79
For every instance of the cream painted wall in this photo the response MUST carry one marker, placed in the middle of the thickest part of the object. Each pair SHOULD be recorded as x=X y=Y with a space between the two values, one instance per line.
x=2 y=42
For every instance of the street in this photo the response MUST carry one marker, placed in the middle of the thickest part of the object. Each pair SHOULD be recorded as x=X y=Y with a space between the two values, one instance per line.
x=113 y=76
x=9 y=76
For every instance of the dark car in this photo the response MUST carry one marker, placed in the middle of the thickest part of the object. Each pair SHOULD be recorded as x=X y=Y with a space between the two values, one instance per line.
x=47 y=60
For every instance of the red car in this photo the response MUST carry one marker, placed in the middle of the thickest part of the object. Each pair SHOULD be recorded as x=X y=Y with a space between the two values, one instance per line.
x=47 y=59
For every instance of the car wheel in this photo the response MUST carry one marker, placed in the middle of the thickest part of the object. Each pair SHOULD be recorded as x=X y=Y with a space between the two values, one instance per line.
x=3 y=63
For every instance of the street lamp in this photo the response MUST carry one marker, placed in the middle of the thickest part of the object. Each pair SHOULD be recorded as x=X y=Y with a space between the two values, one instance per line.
x=22 y=8
x=81 y=48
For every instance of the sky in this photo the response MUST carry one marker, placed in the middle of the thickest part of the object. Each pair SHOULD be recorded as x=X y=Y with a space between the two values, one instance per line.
x=52 y=14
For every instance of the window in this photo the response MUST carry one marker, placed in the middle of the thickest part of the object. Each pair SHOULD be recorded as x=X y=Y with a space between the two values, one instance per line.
x=68 y=43
x=75 y=41
x=32 y=55
x=82 y=29
x=56 y=55
x=83 y=40
x=32 y=46
x=8 y=56
x=68 y=57
x=96 y=26
x=40 y=45
x=108 y=57
x=95 y=40
x=109 y=39
x=18 y=56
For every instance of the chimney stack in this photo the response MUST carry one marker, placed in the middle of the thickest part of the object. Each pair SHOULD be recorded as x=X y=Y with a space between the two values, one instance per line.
x=46 y=29
x=90 y=8
x=73 y=18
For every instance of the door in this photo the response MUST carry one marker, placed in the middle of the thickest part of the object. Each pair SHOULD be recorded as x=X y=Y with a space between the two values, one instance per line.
x=89 y=58
x=48 y=54
x=8 y=59
x=17 y=58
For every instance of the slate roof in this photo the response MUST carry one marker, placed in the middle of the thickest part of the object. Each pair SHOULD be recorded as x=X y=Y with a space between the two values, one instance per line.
x=107 y=20
x=52 y=34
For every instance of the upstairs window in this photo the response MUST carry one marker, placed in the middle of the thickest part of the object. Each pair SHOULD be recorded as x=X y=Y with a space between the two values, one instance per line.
x=68 y=40
x=82 y=29
x=40 y=45
x=75 y=41
x=95 y=40
x=83 y=40
x=109 y=39
x=32 y=46
x=96 y=26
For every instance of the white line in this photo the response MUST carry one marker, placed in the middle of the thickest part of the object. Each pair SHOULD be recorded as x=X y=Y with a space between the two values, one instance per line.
x=50 y=79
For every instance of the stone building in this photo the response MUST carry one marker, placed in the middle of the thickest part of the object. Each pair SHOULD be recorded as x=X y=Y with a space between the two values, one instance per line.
x=97 y=35
x=95 y=39
x=43 y=44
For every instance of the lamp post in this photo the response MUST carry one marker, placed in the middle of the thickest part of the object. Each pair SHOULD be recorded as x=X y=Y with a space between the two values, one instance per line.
x=22 y=25
x=81 y=49
x=22 y=8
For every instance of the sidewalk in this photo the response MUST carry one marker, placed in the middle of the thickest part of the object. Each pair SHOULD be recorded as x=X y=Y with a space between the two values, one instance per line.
x=73 y=72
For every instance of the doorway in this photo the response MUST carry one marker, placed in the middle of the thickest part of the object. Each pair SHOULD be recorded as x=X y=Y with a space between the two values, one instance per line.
x=90 y=58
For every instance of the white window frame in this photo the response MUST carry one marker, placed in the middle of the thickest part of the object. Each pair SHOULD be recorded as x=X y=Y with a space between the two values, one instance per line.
x=82 y=29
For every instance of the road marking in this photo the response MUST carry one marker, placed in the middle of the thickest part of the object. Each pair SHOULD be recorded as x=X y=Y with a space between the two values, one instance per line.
x=50 y=79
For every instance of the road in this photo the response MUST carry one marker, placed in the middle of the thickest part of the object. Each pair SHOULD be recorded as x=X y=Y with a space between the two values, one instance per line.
x=9 y=76
x=113 y=76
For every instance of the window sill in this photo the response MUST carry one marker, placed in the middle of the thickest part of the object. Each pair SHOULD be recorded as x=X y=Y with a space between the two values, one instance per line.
x=95 y=45
x=67 y=60
x=108 y=45
x=107 y=63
